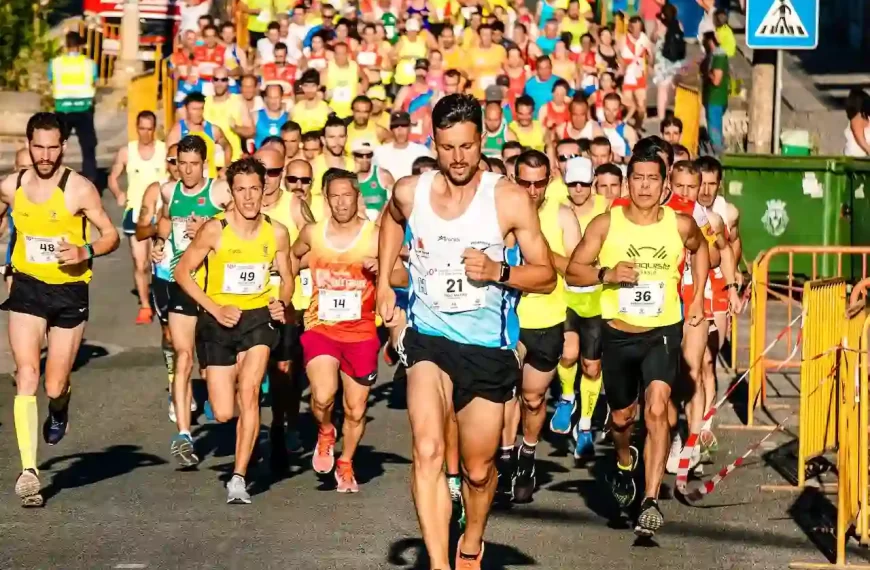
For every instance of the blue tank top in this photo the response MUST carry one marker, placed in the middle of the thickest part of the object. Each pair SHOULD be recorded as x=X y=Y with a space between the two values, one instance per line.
x=207 y=128
x=268 y=127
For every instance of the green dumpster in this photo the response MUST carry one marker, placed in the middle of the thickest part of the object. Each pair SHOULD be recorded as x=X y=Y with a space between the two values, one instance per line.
x=858 y=174
x=787 y=201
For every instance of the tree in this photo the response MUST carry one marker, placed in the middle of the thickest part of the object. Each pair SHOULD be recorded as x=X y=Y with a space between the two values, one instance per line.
x=26 y=47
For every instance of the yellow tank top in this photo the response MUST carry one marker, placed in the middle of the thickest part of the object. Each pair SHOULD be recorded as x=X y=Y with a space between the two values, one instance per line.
x=369 y=132
x=576 y=29
x=343 y=84
x=38 y=232
x=319 y=168
x=211 y=158
x=222 y=114
x=238 y=272
x=409 y=52
x=534 y=310
x=586 y=301
x=142 y=173
x=311 y=119
x=532 y=137
x=656 y=250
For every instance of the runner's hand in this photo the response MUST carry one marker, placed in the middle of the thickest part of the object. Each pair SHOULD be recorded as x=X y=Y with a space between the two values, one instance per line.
x=193 y=225
x=622 y=274
x=69 y=254
x=276 y=310
x=122 y=198
x=479 y=267
x=386 y=301
x=157 y=248
x=370 y=264
x=735 y=303
x=695 y=315
x=228 y=316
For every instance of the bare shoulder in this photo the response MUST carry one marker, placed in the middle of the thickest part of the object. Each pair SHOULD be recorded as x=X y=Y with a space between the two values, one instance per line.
x=600 y=224
x=686 y=224
x=281 y=231
x=9 y=184
x=403 y=192
x=509 y=196
x=82 y=190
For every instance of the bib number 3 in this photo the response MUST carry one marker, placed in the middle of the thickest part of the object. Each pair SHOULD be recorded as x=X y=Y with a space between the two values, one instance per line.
x=643 y=300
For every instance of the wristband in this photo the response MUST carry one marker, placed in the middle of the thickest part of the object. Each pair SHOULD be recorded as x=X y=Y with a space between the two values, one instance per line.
x=731 y=286
x=601 y=273
x=162 y=239
x=90 y=249
x=505 y=274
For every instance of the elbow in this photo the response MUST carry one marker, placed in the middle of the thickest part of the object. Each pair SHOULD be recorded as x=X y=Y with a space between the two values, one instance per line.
x=548 y=283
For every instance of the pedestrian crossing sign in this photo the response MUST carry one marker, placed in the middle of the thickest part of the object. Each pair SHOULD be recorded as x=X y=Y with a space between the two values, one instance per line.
x=782 y=24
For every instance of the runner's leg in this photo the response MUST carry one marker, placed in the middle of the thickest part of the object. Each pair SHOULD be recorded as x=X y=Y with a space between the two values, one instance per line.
x=221 y=382
x=183 y=330
x=141 y=253
x=63 y=346
x=251 y=368
x=25 y=340
x=655 y=450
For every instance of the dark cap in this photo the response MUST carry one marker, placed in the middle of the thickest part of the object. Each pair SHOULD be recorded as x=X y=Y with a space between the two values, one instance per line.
x=400 y=119
x=422 y=64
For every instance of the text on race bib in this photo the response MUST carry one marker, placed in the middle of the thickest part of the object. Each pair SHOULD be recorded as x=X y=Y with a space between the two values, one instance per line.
x=338 y=306
x=366 y=58
x=341 y=93
x=645 y=299
x=305 y=280
x=452 y=293
x=41 y=249
x=244 y=278
x=179 y=229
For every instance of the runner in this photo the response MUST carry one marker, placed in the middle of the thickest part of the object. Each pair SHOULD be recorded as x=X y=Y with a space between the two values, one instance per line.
x=460 y=345
x=291 y=134
x=310 y=111
x=635 y=251
x=334 y=154
x=236 y=327
x=528 y=132
x=187 y=205
x=375 y=183
x=344 y=79
x=542 y=319
x=622 y=137
x=144 y=161
x=268 y=122
x=51 y=206
x=608 y=181
x=580 y=125
x=363 y=126
x=340 y=338
x=496 y=131
x=195 y=124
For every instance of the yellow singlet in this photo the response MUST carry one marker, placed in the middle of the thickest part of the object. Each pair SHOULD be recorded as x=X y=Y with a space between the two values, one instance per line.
x=656 y=250
x=343 y=85
x=211 y=157
x=532 y=137
x=586 y=301
x=222 y=114
x=238 y=272
x=319 y=168
x=369 y=132
x=409 y=52
x=534 y=310
x=38 y=232
x=142 y=173
x=311 y=119
x=280 y=211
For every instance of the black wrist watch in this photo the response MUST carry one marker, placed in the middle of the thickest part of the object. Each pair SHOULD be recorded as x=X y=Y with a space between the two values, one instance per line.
x=601 y=273
x=505 y=273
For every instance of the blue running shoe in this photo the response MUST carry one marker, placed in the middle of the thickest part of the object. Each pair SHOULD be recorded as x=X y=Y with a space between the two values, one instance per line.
x=182 y=450
x=585 y=447
x=209 y=413
x=561 y=420
x=55 y=427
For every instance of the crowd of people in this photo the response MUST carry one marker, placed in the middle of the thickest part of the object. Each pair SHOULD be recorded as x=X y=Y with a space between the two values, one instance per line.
x=490 y=207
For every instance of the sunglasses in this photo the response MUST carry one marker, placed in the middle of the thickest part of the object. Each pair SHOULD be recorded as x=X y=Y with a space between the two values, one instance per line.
x=274 y=172
x=305 y=180
x=567 y=157
x=221 y=79
x=533 y=183
x=363 y=155
x=171 y=160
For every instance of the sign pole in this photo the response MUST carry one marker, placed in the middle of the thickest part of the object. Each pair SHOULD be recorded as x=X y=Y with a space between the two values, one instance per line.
x=777 y=104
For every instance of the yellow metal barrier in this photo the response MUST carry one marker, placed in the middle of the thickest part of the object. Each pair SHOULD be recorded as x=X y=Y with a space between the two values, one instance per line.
x=824 y=309
x=168 y=87
x=142 y=95
x=687 y=108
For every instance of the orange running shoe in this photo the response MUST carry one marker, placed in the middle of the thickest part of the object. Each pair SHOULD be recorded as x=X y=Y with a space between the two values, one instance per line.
x=345 y=478
x=323 y=459
x=463 y=563
x=144 y=316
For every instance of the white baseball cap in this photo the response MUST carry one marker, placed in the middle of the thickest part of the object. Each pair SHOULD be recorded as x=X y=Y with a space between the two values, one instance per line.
x=579 y=169
x=362 y=145
x=412 y=25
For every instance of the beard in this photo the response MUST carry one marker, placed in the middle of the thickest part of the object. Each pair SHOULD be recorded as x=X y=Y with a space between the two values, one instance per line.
x=54 y=166
x=461 y=181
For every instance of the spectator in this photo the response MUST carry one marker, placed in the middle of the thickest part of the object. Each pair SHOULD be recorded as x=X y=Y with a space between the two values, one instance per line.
x=670 y=56
x=716 y=81
x=724 y=33
x=671 y=129
x=649 y=11
x=858 y=131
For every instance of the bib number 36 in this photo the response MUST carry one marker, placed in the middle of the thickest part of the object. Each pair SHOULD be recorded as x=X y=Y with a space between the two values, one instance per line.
x=643 y=300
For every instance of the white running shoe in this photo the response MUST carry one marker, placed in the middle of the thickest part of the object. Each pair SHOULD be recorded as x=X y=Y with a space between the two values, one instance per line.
x=673 y=463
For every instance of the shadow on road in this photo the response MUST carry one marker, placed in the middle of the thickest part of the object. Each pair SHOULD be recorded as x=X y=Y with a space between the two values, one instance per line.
x=411 y=553
x=88 y=468
x=368 y=465
x=86 y=353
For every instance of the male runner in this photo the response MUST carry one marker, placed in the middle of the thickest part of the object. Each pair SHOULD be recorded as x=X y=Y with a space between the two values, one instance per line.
x=291 y=134
x=635 y=251
x=51 y=206
x=542 y=319
x=239 y=305
x=334 y=152
x=375 y=183
x=144 y=161
x=496 y=131
x=463 y=328
x=362 y=126
x=187 y=205
x=269 y=120
x=608 y=181
x=194 y=123
x=340 y=338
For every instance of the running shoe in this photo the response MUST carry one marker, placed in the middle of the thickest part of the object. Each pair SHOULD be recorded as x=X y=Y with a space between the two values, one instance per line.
x=622 y=483
x=345 y=478
x=323 y=459
x=585 y=447
x=237 y=493
x=56 y=425
x=650 y=518
x=28 y=489
x=523 y=483
x=145 y=315
x=193 y=406
x=673 y=462
x=505 y=468
x=464 y=562
x=293 y=441
x=458 y=514
x=561 y=421
x=183 y=451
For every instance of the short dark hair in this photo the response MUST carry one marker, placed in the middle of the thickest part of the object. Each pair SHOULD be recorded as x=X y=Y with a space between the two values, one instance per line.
x=562 y=83
x=685 y=166
x=541 y=59
x=496 y=163
x=309 y=76
x=612 y=97
x=361 y=99
x=280 y=46
x=146 y=114
x=246 y=165
x=453 y=73
x=680 y=149
x=609 y=168
x=47 y=122
x=291 y=127
x=533 y=159
x=584 y=145
x=210 y=28
x=562 y=142
x=601 y=141
x=655 y=143
x=524 y=101
x=272 y=139
x=709 y=164
x=73 y=40
x=671 y=121
x=457 y=108
x=335 y=174
x=226 y=25
x=334 y=121
x=645 y=157
x=516 y=145
x=193 y=143
x=423 y=162
x=579 y=99
x=312 y=136
x=273 y=26
x=195 y=97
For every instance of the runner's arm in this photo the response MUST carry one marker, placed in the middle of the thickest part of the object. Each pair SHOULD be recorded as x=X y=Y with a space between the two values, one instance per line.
x=221 y=139
x=734 y=233
x=117 y=170
x=570 y=238
x=203 y=242
x=283 y=264
x=695 y=242
x=220 y=193
x=7 y=192
x=247 y=128
x=537 y=274
x=92 y=207
x=392 y=232
x=174 y=135
x=583 y=266
x=145 y=226
x=300 y=249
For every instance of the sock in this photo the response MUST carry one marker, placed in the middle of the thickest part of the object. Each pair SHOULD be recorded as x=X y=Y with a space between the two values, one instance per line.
x=60 y=403
x=567 y=376
x=622 y=467
x=528 y=449
x=589 y=391
x=507 y=452
x=184 y=432
x=26 y=429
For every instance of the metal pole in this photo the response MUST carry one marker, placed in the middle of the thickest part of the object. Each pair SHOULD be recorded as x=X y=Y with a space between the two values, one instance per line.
x=777 y=104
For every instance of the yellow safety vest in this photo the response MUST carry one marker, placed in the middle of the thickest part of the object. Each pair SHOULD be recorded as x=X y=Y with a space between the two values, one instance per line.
x=72 y=83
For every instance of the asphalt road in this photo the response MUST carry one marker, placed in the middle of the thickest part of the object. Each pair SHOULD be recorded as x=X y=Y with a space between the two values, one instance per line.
x=116 y=500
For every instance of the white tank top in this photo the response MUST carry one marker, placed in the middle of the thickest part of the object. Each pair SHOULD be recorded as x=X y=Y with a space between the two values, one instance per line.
x=852 y=148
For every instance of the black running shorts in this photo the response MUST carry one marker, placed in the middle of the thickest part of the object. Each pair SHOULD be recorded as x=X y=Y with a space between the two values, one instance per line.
x=288 y=343
x=180 y=302
x=220 y=345
x=160 y=298
x=476 y=371
x=543 y=347
x=589 y=331
x=63 y=306
x=632 y=361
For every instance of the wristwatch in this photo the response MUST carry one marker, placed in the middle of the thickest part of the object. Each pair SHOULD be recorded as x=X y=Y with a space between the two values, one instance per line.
x=90 y=249
x=601 y=273
x=505 y=273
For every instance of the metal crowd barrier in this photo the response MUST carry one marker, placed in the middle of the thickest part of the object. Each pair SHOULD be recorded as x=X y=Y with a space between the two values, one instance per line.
x=687 y=108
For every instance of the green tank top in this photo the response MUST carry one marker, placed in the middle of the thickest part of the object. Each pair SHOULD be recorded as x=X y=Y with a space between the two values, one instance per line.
x=373 y=193
x=493 y=143
x=181 y=208
x=390 y=23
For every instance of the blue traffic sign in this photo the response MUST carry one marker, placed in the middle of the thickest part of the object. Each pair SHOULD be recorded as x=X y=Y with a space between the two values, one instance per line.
x=782 y=24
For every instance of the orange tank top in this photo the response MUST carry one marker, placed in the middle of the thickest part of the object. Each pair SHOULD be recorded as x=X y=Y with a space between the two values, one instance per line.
x=343 y=292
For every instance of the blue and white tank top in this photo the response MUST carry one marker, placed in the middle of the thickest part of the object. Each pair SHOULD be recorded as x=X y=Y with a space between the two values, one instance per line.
x=207 y=128
x=268 y=127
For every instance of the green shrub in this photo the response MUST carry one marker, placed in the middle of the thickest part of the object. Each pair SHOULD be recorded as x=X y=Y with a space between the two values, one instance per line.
x=27 y=47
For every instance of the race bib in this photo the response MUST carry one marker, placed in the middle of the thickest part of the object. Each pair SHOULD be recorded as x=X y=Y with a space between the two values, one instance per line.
x=366 y=58
x=338 y=306
x=179 y=229
x=244 y=278
x=389 y=31
x=486 y=81
x=305 y=281
x=645 y=299
x=452 y=293
x=40 y=249
x=406 y=67
x=341 y=93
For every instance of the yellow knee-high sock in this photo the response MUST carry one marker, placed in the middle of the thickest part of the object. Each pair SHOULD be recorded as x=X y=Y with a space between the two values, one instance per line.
x=26 y=429
x=567 y=377
x=589 y=391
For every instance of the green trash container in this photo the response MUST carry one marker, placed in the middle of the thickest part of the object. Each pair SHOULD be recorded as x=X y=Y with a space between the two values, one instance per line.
x=858 y=173
x=790 y=201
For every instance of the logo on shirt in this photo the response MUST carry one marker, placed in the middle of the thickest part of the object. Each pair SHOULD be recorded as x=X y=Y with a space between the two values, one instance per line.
x=447 y=239
x=265 y=250
x=200 y=201
x=775 y=219
x=635 y=252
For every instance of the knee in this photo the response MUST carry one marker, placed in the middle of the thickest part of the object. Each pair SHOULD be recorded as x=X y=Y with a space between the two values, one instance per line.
x=570 y=353
x=354 y=413
x=322 y=401
x=222 y=415
x=592 y=368
x=428 y=452
x=27 y=379
x=656 y=410
x=623 y=419
x=184 y=357
x=533 y=402
x=479 y=476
